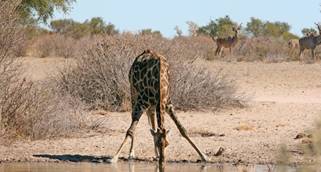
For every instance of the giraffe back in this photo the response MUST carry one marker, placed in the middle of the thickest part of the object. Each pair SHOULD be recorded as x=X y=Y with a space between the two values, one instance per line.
x=149 y=80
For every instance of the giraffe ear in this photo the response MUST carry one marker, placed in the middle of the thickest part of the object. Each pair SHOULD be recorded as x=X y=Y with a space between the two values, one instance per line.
x=168 y=131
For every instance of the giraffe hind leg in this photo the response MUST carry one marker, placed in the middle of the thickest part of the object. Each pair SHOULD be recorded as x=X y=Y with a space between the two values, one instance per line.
x=182 y=130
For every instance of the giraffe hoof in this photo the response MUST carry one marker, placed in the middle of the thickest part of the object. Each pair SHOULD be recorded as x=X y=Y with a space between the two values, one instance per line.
x=112 y=161
x=155 y=158
x=131 y=157
x=204 y=158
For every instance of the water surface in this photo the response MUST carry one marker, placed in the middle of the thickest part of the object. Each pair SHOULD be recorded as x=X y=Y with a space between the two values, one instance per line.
x=132 y=167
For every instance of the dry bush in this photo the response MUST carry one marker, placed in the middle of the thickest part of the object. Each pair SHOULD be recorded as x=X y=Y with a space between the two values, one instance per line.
x=27 y=109
x=55 y=45
x=197 y=88
x=265 y=49
x=100 y=77
x=36 y=111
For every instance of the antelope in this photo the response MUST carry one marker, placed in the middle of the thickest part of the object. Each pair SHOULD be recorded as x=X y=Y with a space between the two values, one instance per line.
x=227 y=42
x=310 y=42
x=293 y=44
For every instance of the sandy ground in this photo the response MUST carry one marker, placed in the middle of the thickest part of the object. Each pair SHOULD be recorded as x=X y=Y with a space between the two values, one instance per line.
x=284 y=100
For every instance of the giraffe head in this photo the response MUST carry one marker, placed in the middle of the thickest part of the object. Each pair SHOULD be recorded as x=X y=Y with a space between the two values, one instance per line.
x=161 y=141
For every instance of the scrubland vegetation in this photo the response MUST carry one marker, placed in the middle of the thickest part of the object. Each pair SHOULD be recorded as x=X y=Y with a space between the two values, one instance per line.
x=97 y=78
x=103 y=54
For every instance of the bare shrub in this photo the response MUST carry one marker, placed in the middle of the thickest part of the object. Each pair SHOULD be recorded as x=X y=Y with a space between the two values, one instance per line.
x=33 y=111
x=55 y=45
x=100 y=77
x=263 y=48
x=197 y=88
x=27 y=109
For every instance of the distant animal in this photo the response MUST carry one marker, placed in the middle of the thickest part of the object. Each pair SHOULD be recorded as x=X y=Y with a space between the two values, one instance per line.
x=293 y=44
x=228 y=42
x=310 y=42
x=149 y=83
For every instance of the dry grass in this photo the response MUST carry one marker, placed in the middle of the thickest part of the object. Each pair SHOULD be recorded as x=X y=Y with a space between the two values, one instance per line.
x=54 y=45
x=27 y=109
x=35 y=111
x=265 y=49
x=100 y=77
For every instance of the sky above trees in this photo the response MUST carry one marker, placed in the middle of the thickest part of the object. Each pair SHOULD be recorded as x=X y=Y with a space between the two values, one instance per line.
x=166 y=14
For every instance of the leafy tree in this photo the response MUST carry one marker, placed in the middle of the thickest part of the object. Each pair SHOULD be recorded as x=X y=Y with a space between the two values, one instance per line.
x=62 y=26
x=221 y=27
x=275 y=29
x=75 y=29
x=289 y=35
x=96 y=25
x=150 y=32
x=42 y=10
x=255 y=27
x=110 y=29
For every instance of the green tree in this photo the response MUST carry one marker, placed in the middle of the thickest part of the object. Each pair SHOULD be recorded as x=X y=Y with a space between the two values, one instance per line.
x=62 y=26
x=150 y=32
x=110 y=29
x=75 y=29
x=255 y=27
x=96 y=25
x=289 y=35
x=275 y=29
x=221 y=27
x=42 y=10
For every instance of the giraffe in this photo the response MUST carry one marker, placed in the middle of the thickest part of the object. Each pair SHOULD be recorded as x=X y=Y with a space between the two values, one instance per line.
x=149 y=82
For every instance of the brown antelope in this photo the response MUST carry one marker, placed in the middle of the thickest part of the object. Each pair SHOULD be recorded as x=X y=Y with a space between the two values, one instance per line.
x=293 y=44
x=310 y=42
x=228 y=42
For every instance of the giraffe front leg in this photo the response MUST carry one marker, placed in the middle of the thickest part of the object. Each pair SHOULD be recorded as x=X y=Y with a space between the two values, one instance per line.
x=183 y=132
x=152 y=120
x=153 y=132
x=136 y=114
x=131 y=150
